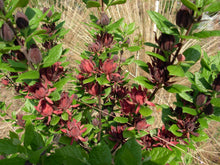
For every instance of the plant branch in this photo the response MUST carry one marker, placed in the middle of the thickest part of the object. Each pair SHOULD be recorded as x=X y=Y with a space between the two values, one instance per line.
x=100 y=118
x=181 y=41
x=154 y=92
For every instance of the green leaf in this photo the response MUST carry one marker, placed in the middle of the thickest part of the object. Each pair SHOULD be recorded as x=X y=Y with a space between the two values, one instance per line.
x=207 y=34
x=133 y=48
x=142 y=65
x=193 y=53
x=189 y=4
x=12 y=8
x=88 y=80
x=151 y=44
x=100 y=155
x=159 y=156
x=102 y=80
x=115 y=25
x=89 y=128
x=107 y=91
x=213 y=7
x=88 y=99
x=54 y=120
x=7 y=147
x=190 y=111
x=130 y=28
x=13 y=161
x=201 y=83
x=162 y=58
x=186 y=97
x=202 y=136
x=144 y=82
x=128 y=61
x=129 y=153
x=203 y=123
x=29 y=133
x=145 y=111
x=177 y=88
x=117 y=2
x=204 y=64
x=53 y=56
x=216 y=102
x=90 y=4
x=35 y=156
x=121 y=119
x=65 y=116
x=176 y=70
x=22 y=3
x=28 y=75
x=162 y=23
x=174 y=129
x=59 y=85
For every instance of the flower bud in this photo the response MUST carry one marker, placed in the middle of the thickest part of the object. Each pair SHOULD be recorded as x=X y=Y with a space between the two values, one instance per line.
x=216 y=84
x=6 y=32
x=184 y=17
x=34 y=55
x=105 y=112
x=115 y=58
x=104 y=20
x=128 y=41
x=49 y=14
x=166 y=41
x=21 y=20
x=208 y=110
x=181 y=57
x=200 y=100
x=95 y=122
x=2 y=5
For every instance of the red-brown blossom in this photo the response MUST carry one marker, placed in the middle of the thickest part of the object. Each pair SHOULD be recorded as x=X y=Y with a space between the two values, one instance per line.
x=141 y=124
x=52 y=73
x=34 y=55
x=93 y=88
x=184 y=17
x=19 y=120
x=140 y=97
x=39 y=91
x=165 y=138
x=75 y=130
x=5 y=82
x=86 y=66
x=44 y=109
x=116 y=135
x=49 y=14
x=127 y=106
x=109 y=66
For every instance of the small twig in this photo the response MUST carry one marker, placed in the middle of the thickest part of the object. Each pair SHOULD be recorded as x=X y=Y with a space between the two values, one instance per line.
x=154 y=92
x=100 y=118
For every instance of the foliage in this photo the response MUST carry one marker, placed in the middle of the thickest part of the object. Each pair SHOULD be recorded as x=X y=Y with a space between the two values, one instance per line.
x=105 y=119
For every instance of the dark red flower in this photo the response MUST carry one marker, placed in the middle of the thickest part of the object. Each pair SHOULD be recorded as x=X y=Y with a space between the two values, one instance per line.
x=166 y=42
x=106 y=40
x=75 y=130
x=109 y=66
x=127 y=106
x=95 y=47
x=86 y=66
x=44 y=109
x=39 y=91
x=21 y=20
x=6 y=32
x=208 y=110
x=165 y=138
x=116 y=134
x=93 y=88
x=65 y=103
x=20 y=121
x=120 y=92
x=52 y=73
x=140 y=97
x=146 y=141
x=5 y=57
x=141 y=124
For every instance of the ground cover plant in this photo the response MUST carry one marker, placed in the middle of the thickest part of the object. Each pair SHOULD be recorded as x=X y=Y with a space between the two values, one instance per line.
x=106 y=118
